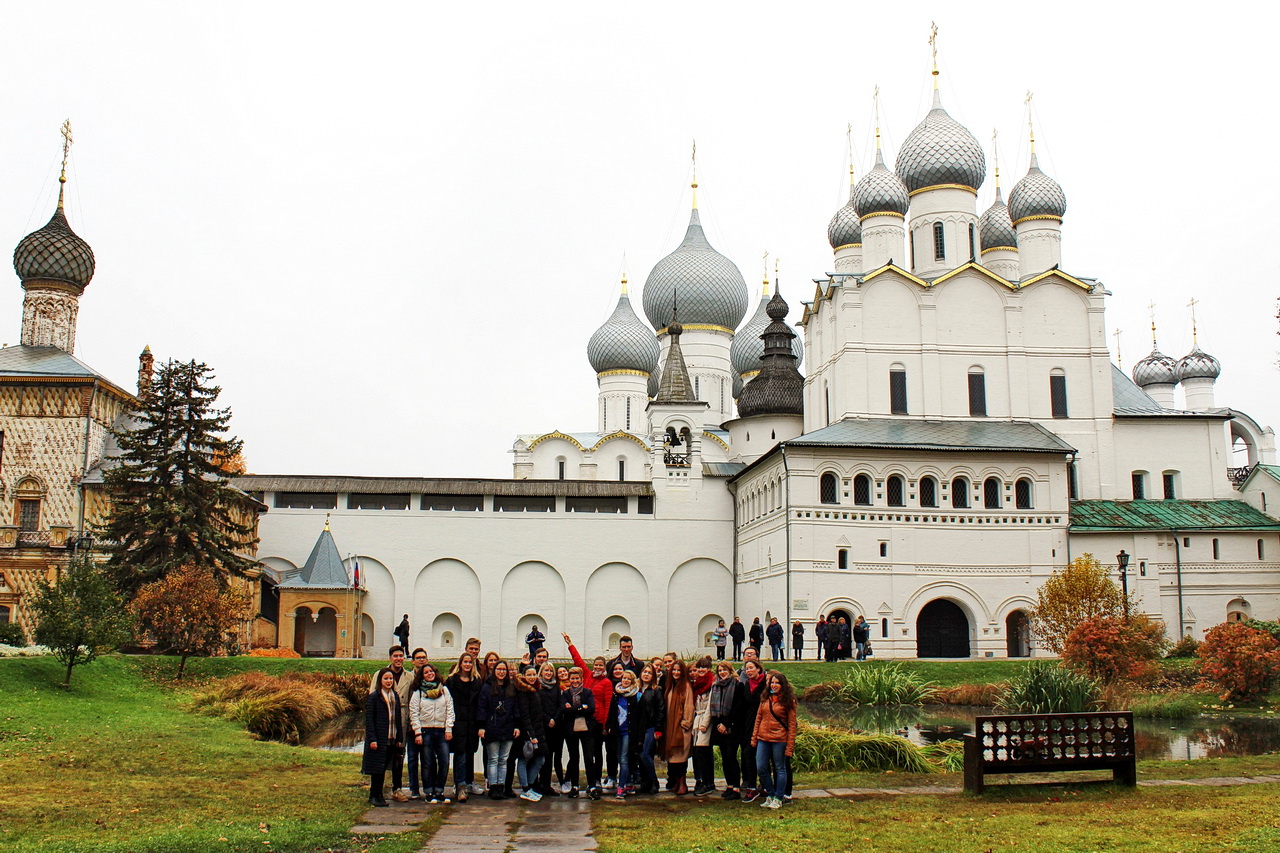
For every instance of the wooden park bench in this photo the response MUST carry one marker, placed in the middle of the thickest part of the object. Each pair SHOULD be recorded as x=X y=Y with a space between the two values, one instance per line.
x=1044 y=743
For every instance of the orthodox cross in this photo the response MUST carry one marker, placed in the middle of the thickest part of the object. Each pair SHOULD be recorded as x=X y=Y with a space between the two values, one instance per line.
x=66 y=149
x=1192 y=305
x=933 y=49
x=1151 y=308
x=1119 y=359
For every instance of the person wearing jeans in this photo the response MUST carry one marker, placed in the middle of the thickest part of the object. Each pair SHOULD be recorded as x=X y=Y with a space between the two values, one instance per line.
x=646 y=727
x=498 y=729
x=431 y=718
x=621 y=716
x=774 y=737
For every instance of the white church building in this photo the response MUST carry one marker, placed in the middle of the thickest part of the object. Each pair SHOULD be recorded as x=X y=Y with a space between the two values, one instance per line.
x=960 y=433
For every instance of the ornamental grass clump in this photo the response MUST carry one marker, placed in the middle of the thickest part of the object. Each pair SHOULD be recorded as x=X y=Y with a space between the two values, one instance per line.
x=880 y=685
x=1167 y=707
x=827 y=748
x=274 y=707
x=1046 y=688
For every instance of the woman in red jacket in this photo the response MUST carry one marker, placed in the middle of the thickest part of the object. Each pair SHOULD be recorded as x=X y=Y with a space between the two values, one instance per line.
x=597 y=681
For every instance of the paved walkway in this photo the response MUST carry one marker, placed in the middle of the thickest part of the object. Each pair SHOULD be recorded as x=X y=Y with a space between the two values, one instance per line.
x=562 y=825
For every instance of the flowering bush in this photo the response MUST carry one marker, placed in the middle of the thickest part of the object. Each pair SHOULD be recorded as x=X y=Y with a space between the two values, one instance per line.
x=1239 y=660
x=1113 y=649
x=22 y=651
x=274 y=653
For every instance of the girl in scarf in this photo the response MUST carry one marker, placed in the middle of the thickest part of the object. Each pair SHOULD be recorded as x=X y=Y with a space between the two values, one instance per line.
x=649 y=714
x=753 y=688
x=704 y=761
x=496 y=717
x=577 y=712
x=383 y=740
x=549 y=691
x=727 y=724
x=621 y=714
x=677 y=738
x=431 y=716
x=464 y=684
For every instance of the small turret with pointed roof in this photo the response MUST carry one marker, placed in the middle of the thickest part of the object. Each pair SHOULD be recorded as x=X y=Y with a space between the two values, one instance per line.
x=675 y=387
x=779 y=387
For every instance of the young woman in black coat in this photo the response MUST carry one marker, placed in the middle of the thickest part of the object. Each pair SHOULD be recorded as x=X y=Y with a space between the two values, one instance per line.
x=576 y=719
x=383 y=740
x=496 y=715
x=464 y=685
x=753 y=691
x=727 y=725
x=650 y=717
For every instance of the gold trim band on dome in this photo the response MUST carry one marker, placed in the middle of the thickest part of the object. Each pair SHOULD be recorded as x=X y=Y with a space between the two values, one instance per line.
x=619 y=433
x=749 y=375
x=969 y=190
x=698 y=327
x=717 y=439
x=621 y=371
x=847 y=246
x=557 y=434
x=892 y=213
x=1057 y=219
x=998 y=249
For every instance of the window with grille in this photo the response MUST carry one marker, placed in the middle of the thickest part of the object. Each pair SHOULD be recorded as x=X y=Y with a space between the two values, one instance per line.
x=896 y=491
x=1139 y=481
x=939 y=242
x=898 y=391
x=29 y=514
x=977 y=394
x=1169 y=486
x=960 y=493
x=862 y=490
x=628 y=416
x=827 y=487
x=1022 y=493
x=452 y=503
x=1058 y=395
x=928 y=492
x=991 y=493
x=593 y=504
x=524 y=503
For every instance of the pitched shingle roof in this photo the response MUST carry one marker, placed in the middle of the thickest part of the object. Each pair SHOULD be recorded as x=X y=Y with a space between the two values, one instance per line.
x=914 y=434
x=1100 y=516
x=323 y=569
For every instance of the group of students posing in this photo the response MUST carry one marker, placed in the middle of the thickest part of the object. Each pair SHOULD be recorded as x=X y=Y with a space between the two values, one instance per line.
x=615 y=718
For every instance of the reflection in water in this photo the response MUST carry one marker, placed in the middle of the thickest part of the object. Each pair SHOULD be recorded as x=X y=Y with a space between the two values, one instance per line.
x=1198 y=737
x=341 y=734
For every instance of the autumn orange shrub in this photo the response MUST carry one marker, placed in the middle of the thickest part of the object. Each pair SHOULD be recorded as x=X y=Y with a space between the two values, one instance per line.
x=1082 y=590
x=274 y=653
x=1115 y=649
x=1241 y=661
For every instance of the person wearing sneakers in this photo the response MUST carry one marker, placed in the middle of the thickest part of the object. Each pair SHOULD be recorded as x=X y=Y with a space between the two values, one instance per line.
x=774 y=737
x=726 y=725
x=596 y=679
x=618 y=726
x=531 y=746
x=753 y=688
x=431 y=717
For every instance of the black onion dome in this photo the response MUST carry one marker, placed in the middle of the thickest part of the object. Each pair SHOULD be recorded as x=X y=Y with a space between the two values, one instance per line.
x=55 y=253
x=880 y=191
x=941 y=151
x=707 y=286
x=996 y=227
x=779 y=387
x=845 y=229
x=623 y=342
x=748 y=347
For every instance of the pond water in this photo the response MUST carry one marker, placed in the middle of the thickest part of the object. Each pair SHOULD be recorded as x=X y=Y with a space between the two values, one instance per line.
x=1197 y=737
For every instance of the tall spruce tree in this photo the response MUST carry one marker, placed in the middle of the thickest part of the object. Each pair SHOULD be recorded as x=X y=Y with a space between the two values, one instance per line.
x=171 y=503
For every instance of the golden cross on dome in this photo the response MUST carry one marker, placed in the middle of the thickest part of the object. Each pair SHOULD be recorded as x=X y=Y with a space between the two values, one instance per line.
x=933 y=48
x=995 y=151
x=875 y=99
x=1119 y=359
x=848 y=135
x=695 y=174
x=1030 y=124
x=1151 y=310
x=66 y=149
x=1192 y=305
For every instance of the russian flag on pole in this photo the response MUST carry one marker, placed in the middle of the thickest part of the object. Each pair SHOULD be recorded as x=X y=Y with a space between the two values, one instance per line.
x=356 y=582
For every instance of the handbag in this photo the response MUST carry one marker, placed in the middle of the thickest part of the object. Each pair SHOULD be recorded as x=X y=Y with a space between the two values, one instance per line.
x=867 y=650
x=580 y=724
x=529 y=750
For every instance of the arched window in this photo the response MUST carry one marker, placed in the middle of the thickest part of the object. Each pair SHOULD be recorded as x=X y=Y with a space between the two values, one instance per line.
x=928 y=492
x=1022 y=493
x=895 y=489
x=842 y=558
x=897 y=390
x=1169 y=479
x=1058 y=393
x=939 y=242
x=862 y=490
x=28 y=495
x=1139 y=481
x=960 y=493
x=827 y=487
x=973 y=242
x=977 y=393
x=991 y=493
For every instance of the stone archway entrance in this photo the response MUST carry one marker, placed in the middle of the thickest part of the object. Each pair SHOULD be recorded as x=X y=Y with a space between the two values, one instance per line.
x=1017 y=634
x=942 y=631
x=315 y=634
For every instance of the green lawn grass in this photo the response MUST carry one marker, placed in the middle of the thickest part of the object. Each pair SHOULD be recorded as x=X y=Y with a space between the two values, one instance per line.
x=116 y=764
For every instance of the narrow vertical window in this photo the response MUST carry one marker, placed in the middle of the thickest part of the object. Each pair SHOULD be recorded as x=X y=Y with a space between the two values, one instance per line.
x=862 y=490
x=991 y=493
x=960 y=493
x=628 y=414
x=1073 y=482
x=897 y=391
x=697 y=388
x=977 y=393
x=622 y=469
x=842 y=558
x=884 y=549
x=1139 y=485
x=896 y=491
x=939 y=242
x=928 y=492
x=884 y=628
x=827 y=488
x=913 y=251
x=1215 y=549
x=560 y=469
x=1261 y=551
x=826 y=400
x=973 y=242
x=1058 y=394
x=1022 y=493
x=1169 y=490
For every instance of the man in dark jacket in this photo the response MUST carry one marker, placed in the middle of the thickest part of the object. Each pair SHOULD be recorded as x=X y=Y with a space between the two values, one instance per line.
x=738 y=633
x=820 y=631
x=756 y=635
x=625 y=646
x=774 y=633
x=861 y=634
x=846 y=638
x=402 y=632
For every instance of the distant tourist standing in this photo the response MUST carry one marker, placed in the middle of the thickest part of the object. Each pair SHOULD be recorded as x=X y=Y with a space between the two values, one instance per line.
x=797 y=640
x=820 y=631
x=402 y=631
x=738 y=632
x=861 y=635
x=774 y=633
x=535 y=640
x=383 y=733
x=756 y=635
x=720 y=636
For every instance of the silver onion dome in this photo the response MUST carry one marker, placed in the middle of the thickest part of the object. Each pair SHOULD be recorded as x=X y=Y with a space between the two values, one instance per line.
x=55 y=253
x=748 y=347
x=1036 y=196
x=941 y=151
x=880 y=191
x=704 y=285
x=845 y=229
x=1197 y=364
x=1156 y=369
x=623 y=342
x=996 y=226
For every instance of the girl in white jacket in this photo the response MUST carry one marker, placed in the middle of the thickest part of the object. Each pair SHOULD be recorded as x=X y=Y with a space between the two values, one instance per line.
x=431 y=718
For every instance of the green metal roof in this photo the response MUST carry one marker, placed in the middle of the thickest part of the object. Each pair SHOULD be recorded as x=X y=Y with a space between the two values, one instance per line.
x=1100 y=516
x=1272 y=471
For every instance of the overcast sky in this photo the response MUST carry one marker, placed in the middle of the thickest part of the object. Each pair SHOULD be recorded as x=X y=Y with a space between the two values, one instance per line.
x=391 y=228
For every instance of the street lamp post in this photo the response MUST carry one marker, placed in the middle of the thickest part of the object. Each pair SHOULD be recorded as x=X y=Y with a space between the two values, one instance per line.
x=1122 y=562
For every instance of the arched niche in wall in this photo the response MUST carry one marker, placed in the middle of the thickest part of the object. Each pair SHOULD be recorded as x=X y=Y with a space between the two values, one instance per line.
x=618 y=589
x=890 y=312
x=529 y=588
x=448 y=586
x=692 y=585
